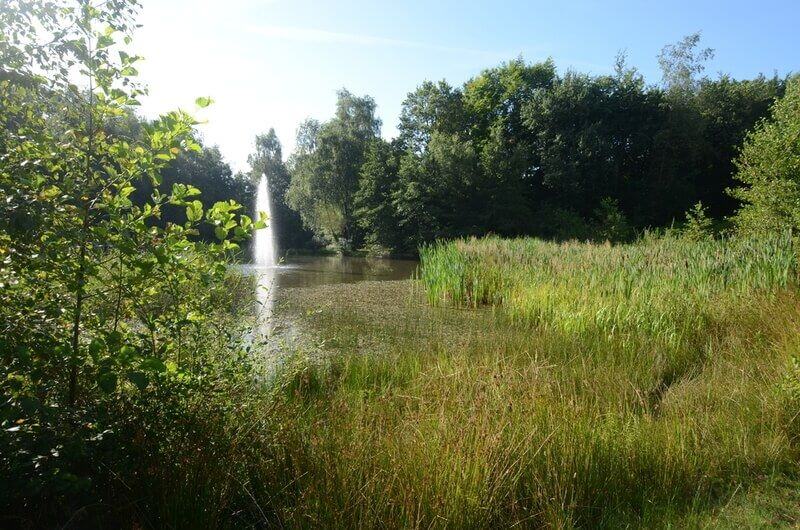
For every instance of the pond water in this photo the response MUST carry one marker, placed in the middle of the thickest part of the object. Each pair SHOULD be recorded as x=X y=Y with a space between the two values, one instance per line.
x=311 y=271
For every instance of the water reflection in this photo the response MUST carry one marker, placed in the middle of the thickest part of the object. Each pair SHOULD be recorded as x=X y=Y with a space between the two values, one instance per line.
x=265 y=298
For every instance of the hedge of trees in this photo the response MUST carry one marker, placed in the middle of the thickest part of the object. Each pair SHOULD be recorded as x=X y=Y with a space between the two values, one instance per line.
x=523 y=150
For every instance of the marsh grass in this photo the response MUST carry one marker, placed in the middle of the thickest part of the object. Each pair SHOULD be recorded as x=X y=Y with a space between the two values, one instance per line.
x=498 y=427
x=664 y=287
x=424 y=416
x=399 y=413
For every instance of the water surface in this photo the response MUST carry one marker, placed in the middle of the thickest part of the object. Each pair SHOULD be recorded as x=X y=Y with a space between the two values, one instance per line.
x=312 y=271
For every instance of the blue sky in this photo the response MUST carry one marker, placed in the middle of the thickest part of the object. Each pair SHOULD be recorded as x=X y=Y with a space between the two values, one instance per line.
x=272 y=63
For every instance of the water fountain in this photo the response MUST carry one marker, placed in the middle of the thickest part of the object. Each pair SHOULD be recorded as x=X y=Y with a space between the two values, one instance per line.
x=264 y=257
x=264 y=244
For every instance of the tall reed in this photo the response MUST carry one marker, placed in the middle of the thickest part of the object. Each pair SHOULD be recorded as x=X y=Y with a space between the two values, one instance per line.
x=663 y=286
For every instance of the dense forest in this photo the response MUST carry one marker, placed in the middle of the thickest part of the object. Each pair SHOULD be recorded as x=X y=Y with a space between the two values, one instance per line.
x=522 y=150
x=517 y=150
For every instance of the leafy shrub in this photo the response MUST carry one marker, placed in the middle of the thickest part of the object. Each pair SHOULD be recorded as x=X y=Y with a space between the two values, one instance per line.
x=698 y=226
x=114 y=328
x=769 y=168
x=612 y=225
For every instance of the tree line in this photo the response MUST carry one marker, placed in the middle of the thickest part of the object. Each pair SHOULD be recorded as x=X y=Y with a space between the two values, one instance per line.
x=518 y=150
x=521 y=150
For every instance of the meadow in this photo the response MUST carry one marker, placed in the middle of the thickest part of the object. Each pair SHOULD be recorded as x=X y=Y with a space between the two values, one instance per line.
x=514 y=383
x=532 y=384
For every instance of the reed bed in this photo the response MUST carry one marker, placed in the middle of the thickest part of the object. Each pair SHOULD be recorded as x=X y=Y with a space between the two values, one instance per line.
x=427 y=416
x=662 y=286
x=667 y=398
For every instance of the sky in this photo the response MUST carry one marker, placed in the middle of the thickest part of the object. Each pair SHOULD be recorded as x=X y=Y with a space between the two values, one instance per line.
x=274 y=63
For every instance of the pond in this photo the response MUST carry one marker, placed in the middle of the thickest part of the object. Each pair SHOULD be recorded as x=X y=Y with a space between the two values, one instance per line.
x=312 y=271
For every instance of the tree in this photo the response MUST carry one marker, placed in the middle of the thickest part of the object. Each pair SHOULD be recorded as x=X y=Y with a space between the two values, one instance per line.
x=437 y=168
x=432 y=107
x=611 y=222
x=682 y=63
x=376 y=211
x=594 y=139
x=438 y=194
x=325 y=171
x=728 y=109
x=468 y=158
x=495 y=101
x=769 y=168
x=698 y=227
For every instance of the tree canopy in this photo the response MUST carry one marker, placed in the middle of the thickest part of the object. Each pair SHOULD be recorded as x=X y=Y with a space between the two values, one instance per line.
x=523 y=150
x=769 y=168
x=326 y=168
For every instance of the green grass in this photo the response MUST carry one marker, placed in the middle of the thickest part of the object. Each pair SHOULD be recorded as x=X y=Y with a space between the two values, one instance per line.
x=674 y=407
x=664 y=286
x=670 y=410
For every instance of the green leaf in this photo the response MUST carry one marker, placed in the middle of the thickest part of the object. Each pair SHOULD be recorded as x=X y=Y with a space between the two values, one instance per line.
x=104 y=41
x=95 y=348
x=161 y=255
x=50 y=193
x=262 y=220
x=127 y=355
x=139 y=379
x=153 y=364
x=194 y=211
x=114 y=339
x=203 y=102
x=107 y=382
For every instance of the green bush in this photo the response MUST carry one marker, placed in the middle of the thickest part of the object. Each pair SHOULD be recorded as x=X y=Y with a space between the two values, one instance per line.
x=118 y=349
x=769 y=168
